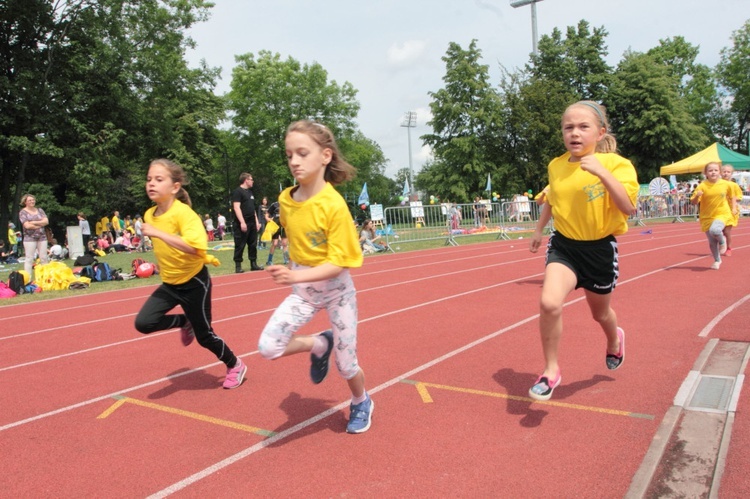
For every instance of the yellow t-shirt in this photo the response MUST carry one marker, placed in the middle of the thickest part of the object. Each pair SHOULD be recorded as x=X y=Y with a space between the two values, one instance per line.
x=116 y=223
x=713 y=203
x=175 y=266
x=105 y=225
x=737 y=195
x=320 y=229
x=12 y=239
x=581 y=207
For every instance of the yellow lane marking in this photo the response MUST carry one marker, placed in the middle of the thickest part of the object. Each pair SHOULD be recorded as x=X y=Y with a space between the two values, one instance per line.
x=422 y=390
x=187 y=414
x=426 y=398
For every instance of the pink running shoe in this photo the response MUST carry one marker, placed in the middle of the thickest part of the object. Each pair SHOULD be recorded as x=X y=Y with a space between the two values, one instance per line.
x=235 y=375
x=187 y=335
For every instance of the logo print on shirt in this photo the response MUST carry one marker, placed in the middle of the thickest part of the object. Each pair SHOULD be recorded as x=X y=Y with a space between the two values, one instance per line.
x=316 y=238
x=594 y=191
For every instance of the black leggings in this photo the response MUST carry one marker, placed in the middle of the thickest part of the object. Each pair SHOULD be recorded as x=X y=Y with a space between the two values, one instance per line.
x=195 y=298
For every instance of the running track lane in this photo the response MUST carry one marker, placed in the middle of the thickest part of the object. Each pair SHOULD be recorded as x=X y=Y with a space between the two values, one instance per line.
x=450 y=345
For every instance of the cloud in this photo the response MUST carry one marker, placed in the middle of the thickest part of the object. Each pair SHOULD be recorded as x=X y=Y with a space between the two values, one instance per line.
x=406 y=53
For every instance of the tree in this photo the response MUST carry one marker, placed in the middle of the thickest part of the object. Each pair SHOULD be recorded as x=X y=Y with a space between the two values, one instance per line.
x=465 y=124
x=652 y=123
x=695 y=84
x=565 y=70
x=576 y=62
x=267 y=94
x=734 y=74
x=94 y=89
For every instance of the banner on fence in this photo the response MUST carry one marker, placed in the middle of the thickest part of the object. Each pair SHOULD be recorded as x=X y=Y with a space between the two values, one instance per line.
x=376 y=212
x=417 y=210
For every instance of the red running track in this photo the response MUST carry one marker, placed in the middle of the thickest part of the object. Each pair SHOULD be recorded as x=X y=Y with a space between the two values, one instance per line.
x=449 y=342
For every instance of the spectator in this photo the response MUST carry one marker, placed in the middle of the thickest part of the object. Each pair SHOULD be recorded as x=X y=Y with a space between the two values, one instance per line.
x=85 y=228
x=12 y=239
x=4 y=253
x=368 y=239
x=115 y=223
x=263 y=218
x=278 y=238
x=246 y=224
x=141 y=240
x=209 y=225
x=57 y=252
x=221 y=221
x=33 y=220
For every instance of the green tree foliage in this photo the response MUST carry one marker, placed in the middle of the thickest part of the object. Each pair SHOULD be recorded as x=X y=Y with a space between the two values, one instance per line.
x=734 y=74
x=565 y=70
x=464 y=122
x=575 y=62
x=94 y=89
x=267 y=94
x=652 y=124
x=695 y=82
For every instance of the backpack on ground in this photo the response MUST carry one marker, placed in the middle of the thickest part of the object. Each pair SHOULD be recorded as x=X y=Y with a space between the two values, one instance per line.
x=16 y=282
x=102 y=272
x=87 y=271
x=85 y=260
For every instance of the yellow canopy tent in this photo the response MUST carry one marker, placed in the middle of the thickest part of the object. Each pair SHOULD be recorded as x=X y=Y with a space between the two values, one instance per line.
x=714 y=152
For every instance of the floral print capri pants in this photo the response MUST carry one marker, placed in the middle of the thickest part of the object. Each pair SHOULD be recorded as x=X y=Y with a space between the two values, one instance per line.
x=339 y=298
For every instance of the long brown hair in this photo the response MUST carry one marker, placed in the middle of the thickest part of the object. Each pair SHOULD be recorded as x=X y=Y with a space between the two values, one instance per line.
x=338 y=170
x=177 y=174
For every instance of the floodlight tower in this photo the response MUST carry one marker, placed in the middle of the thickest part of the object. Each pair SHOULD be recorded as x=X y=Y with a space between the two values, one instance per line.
x=520 y=3
x=410 y=121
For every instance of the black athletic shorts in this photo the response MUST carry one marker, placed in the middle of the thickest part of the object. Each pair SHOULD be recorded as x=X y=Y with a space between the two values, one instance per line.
x=594 y=263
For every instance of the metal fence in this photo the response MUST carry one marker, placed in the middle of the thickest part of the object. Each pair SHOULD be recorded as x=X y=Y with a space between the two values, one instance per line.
x=506 y=220
x=451 y=222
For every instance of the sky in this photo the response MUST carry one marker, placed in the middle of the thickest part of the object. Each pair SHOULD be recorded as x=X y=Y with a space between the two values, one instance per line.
x=391 y=50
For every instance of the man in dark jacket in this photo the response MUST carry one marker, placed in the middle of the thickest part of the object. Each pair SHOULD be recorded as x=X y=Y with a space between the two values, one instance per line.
x=246 y=223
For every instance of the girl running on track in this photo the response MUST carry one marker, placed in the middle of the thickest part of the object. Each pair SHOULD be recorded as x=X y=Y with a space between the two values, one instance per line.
x=717 y=204
x=323 y=246
x=726 y=174
x=592 y=192
x=180 y=244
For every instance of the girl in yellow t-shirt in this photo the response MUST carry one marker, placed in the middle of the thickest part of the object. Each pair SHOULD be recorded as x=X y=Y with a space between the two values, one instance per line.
x=592 y=192
x=323 y=246
x=180 y=245
x=714 y=195
x=726 y=174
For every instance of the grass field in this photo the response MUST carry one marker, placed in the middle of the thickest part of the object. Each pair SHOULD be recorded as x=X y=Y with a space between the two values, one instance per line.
x=123 y=261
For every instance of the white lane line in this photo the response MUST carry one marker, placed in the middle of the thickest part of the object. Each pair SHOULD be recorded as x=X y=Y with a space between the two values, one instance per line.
x=709 y=327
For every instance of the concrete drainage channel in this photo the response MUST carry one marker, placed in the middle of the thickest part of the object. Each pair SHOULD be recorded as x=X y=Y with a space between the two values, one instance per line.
x=687 y=455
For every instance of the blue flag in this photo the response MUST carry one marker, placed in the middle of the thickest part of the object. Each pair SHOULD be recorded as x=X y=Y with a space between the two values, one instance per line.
x=364 y=198
x=406 y=187
x=489 y=184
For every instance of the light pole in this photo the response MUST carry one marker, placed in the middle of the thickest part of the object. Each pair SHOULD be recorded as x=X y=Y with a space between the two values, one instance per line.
x=410 y=121
x=520 y=3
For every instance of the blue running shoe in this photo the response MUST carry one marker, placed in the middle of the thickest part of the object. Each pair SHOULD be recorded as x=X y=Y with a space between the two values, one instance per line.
x=319 y=365
x=360 y=416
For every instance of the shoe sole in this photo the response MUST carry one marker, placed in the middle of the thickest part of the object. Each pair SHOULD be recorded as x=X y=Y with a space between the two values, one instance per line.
x=240 y=378
x=327 y=354
x=369 y=421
